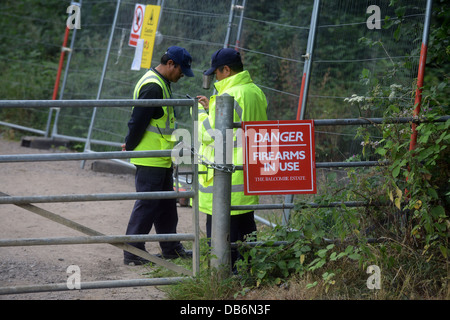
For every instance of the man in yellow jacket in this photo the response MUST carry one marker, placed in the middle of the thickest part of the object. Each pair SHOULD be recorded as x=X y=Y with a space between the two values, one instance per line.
x=150 y=128
x=250 y=104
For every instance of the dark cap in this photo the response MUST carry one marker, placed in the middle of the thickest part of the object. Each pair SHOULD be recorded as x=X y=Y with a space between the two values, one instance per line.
x=182 y=57
x=223 y=57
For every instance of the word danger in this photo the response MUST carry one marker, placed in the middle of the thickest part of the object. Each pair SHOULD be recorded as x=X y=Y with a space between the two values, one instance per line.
x=274 y=161
x=274 y=136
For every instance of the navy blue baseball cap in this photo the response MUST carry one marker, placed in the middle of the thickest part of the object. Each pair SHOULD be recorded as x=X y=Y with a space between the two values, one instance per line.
x=181 y=57
x=223 y=57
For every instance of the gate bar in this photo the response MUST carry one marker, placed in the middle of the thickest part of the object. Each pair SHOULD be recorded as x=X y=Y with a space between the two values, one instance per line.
x=92 y=285
x=96 y=239
x=5 y=199
x=84 y=156
x=366 y=121
x=104 y=103
x=350 y=204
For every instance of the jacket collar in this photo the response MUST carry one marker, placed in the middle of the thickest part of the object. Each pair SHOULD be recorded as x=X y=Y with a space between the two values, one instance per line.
x=167 y=82
x=238 y=79
x=162 y=77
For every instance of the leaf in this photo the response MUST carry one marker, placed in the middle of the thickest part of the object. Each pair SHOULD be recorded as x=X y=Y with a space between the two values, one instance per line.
x=438 y=212
x=365 y=73
x=349 y=249
x=381 y=151
x=302 y=259
x=397 y=203
x=399 y=193
x=261 y=274
x=444 y=251
x=418 y=204
x=306 y=248
x=398 y=199
x=396 y=171
x=282 y=264
x=397 y=33
x=431 y=192
x=355 y=256
x=322 y=253
x=340 y=255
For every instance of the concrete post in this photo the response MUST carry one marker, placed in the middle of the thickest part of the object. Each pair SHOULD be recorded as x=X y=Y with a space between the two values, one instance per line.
x=220 y=229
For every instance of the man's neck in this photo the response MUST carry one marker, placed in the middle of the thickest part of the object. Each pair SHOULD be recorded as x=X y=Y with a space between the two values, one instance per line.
x=161 y=70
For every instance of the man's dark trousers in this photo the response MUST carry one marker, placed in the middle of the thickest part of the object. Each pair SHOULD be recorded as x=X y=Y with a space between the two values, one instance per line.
x=162 y=213
x=241 y=225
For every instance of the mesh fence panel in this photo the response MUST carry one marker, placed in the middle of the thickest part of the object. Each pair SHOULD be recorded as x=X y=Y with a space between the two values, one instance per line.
x=200 y=32
x=273 y=39
x=345 y=47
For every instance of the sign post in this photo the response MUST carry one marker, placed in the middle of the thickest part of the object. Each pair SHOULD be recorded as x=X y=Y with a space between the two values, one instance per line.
x=279 y=157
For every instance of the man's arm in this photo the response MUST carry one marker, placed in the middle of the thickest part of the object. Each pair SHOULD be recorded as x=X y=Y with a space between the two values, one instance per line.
x=141 y=116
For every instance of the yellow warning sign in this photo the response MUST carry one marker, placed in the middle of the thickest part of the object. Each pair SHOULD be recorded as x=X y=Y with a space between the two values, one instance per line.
x=148 y=33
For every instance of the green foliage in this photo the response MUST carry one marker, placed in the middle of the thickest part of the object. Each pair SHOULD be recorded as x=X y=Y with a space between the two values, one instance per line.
x=423 y=174
x=270 y=264
x=299 y=253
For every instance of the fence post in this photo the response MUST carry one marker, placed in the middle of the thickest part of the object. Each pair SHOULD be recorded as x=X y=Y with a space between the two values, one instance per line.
x=220 y=230
x=421 y=72
x=304 y=87
x=195 y=217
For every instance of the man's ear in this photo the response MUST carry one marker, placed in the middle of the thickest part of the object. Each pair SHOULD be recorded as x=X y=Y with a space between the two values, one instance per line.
x=171 y=63
x=226 y=71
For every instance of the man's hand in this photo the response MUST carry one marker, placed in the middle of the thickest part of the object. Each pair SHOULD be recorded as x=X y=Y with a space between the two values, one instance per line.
x=204 y=101
x=123 y=147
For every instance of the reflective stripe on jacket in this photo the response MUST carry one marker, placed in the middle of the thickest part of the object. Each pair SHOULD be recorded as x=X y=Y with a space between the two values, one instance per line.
x=158 y=135
x=250 y=104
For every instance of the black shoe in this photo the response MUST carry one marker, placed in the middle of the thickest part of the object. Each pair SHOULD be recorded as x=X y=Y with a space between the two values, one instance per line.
x=178 y=253
x=135 y=261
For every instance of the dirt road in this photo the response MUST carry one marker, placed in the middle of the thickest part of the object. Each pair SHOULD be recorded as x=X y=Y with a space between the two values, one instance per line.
x=35 y=265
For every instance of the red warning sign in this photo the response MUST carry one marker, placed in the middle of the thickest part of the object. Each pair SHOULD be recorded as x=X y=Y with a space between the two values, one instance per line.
x=279 y=157
x=136 y=27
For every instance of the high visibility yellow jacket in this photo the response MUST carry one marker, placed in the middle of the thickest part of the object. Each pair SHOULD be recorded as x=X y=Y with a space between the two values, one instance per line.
x=158 y=135
x=250 y=104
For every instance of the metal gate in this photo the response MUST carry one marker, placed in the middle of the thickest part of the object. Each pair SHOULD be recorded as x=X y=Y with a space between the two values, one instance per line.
x=93 y=236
